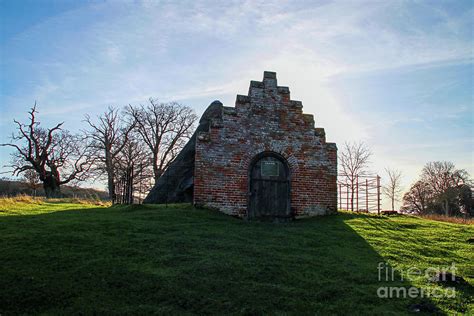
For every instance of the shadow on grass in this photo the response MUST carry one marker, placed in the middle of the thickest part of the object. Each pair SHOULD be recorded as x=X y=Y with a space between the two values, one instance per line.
x=152 y=259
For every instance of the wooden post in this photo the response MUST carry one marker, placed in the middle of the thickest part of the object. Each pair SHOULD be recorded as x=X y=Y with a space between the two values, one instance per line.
x=124 y=186
x=378 y=195
x=340 y=196
x=116 y=190
x=124 y=189
x=347 y=197
x=357 y=193
x=130 y=179
x=132 y=176
x=166 y=186
x=140 y=179
x=120 y=195
x=367 y=195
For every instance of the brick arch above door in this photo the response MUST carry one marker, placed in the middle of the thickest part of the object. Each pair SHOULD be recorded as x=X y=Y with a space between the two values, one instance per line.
x=285 y=153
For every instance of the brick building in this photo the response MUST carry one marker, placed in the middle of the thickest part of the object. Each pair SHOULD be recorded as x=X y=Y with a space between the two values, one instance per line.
x=262 y=158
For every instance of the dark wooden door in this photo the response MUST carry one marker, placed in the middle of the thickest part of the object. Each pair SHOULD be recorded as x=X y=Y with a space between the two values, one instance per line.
x=269 y=189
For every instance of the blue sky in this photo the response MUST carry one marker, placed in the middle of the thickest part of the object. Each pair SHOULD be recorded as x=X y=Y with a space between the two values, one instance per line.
x=396 y=74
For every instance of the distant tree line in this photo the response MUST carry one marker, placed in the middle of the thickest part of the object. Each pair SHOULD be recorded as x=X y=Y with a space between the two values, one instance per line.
x=129 y=146
x=14 y=187
x=441 y=188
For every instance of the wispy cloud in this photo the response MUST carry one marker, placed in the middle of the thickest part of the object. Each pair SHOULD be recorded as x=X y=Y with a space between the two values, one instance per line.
x=123 y=52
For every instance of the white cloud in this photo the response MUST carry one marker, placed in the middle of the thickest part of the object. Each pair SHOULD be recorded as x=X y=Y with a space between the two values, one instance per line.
x=120 y=52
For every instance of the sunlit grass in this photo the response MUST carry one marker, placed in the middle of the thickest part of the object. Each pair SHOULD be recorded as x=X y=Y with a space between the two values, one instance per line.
x=28 y=205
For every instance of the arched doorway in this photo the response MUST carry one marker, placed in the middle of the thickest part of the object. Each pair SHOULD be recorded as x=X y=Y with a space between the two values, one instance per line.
x=269 y=196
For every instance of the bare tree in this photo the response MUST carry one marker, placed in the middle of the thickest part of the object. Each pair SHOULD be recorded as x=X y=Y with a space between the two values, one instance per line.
x=165 y=128
x=108 y=135
x=32 y=180
x=134 y=170
x=444 y=180
x=57 y=156
x=354 y=158
x=418 y=198
x=393 y=188
x=441 y=189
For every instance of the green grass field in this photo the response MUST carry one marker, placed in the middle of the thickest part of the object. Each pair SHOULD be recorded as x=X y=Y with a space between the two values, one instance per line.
x=66 y=258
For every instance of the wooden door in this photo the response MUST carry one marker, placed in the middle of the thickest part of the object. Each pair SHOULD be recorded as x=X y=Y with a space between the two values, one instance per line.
x=269 y=189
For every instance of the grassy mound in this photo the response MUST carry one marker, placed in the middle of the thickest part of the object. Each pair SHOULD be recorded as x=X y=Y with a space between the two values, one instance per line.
x=64 y=258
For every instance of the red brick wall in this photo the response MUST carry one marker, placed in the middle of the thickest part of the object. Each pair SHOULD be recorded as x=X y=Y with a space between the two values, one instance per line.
x=265 y=120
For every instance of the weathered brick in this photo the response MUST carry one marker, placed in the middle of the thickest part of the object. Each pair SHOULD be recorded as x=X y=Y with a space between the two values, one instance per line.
x=265 y=120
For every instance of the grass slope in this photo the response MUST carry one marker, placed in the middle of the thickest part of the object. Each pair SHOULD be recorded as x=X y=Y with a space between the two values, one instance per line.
x=79 y=258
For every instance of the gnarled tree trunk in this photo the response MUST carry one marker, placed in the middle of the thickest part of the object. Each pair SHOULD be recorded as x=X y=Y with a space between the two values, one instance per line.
x=51 y=185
